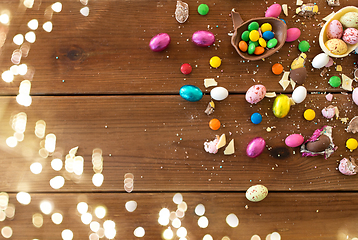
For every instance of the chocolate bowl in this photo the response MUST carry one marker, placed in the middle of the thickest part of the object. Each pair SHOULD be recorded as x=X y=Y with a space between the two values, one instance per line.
x=278 y=27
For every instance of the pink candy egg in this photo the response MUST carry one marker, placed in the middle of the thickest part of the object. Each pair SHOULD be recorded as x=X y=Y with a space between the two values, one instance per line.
x=294 y=140
x=273 y=11
x=255 y=93
x=350 y=36
x=203 y=38
x=159 y=42
x=334 y=30
x=293 y=34
x=255 y=147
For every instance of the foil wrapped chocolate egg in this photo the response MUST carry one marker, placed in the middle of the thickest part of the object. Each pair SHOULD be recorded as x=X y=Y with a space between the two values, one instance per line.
x=319 y=145
x=281 y=106
x=347 y=166
x=159 y=42
x=203 y=38
x=255 y=147
x=191 y=93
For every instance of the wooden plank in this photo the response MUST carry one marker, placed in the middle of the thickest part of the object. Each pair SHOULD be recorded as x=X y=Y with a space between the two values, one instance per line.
x=107 y=52
x=293 y=215
x=160 y=140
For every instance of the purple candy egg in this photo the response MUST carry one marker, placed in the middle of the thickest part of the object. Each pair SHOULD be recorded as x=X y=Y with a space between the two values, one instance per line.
x=159 y=42
x=203 y=38
x=294 y=140
x=255 y=147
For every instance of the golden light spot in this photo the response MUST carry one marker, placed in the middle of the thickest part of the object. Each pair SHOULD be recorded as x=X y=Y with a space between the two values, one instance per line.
x=84 y=11
x=46 y=207
x=56 y=7
x=47 y=26
x=4 y=200
x=7 y=76
x=82 y=207
x=6 y=232
x=28 y=3
x=30 y=37
x=94 y=226
x=36 y=168
x=50 y=142
x=37 y=220
x=131 y=206
x=139 y=232
x=18 y=39
x=57 y=182
x=57 y=218
x=100 y=212
x=182 y=232
x=203 y=222
x=5 y=18
x=232 y=220
x=86 y=218
x=22 y=70
x=97 y=179
x=11 y=142
x=33 y=24
x=10 y=211
x=168 y=234
x=67 y=234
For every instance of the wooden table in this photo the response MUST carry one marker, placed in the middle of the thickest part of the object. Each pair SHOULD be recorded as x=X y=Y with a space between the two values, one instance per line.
x=96 y=84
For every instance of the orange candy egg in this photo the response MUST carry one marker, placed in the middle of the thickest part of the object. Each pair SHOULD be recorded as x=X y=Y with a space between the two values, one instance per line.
x=243 y=46
x=277 y=68
x=259 y=50
x=214 y=124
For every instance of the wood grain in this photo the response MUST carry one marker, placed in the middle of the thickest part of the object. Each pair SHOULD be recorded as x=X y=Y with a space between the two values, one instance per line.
x=295 y=216
x=160 y=140
x=107 y=52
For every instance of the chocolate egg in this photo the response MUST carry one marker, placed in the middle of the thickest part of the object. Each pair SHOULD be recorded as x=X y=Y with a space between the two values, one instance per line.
x=191 y=93
x=294 y=140
x=319 y=145
x=203 y=38
x=255 y=147
x=298 y=75
x=281 y=106
x=256 y=193
x=255 y=93
x=159 y=42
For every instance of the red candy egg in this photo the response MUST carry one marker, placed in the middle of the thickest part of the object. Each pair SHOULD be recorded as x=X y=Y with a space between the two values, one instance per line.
x=186 y=68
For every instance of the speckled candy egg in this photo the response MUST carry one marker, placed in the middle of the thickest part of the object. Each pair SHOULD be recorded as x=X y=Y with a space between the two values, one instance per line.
x=159 y=42
x=334 y=30
x=256 y=193
x=191 y=93
x=350 y=36
x=255 y=147
x=203 y=38
x=294 y=140
x=350 y=20
x=336 y=46
x=255 y=93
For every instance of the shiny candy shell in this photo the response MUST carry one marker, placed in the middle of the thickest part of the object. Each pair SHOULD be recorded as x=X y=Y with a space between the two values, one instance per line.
x=293 y=34
x=299 y=94
x=203 y=38
x=159 y=42
x=272 y=43
x=191 y=93
x=273 y=11
x=268 y=35
x=355 y=96
x=320 y=60
x=294 y=140
x=219 y=93
x=281 y=106
x=255 y=93
x=255 y=147
x=256 y=193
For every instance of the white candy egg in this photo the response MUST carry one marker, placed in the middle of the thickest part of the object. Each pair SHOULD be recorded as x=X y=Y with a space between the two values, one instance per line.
x=219 y=93
x=299 y=94
x=320 y=60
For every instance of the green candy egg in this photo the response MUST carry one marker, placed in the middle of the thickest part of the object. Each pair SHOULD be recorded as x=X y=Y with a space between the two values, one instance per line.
x=303 y=46
x=256 y=43
x=253 y=26
x=272 y=43
x=281 y=106
x=251 y=48
x=335 y=81
x=245 y=36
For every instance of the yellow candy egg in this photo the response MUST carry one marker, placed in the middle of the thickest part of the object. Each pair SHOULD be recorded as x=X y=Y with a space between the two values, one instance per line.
x=262 y=42
x=281 y=106
x=309 y=114
x=254 y=35
x=351 y=144
x=336 y=46
x=215 y=62
x=266 y=27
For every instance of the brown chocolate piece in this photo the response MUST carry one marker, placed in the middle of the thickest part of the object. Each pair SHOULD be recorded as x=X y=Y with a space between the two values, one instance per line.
x=319 y=145
x=298 y=75
x=353 y=125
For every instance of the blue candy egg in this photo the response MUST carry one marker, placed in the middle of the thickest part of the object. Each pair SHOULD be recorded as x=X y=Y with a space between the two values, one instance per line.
x=268 y=35
x=283 y=20
x=256 y=118
x=191 y=93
